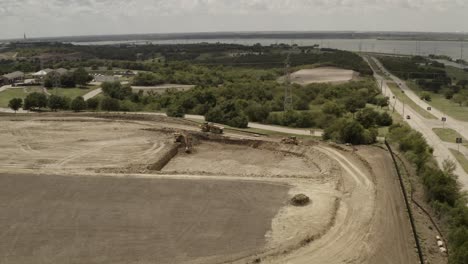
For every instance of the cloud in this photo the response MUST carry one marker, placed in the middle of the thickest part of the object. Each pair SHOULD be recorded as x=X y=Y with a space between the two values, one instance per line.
x=68 y=17
x=175 y=7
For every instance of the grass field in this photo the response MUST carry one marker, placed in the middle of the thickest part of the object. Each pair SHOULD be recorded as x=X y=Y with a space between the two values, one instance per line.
x=448 y=135
x=438 y=101
x=9 y=94
x=461 y=158
x=456 y=73
x=406 y=100
x=72 y=92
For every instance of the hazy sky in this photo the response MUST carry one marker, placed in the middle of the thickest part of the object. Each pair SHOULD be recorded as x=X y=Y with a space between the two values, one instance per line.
x=39 y=18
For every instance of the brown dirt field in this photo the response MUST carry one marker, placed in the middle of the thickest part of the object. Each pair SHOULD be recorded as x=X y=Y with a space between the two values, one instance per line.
x=216 y=158
x=79 y=144
x=224 y=202
x=322 y=75
x=55 y=219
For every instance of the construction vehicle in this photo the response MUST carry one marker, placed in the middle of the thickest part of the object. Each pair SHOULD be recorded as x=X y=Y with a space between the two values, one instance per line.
x=292 y=140
x=184 y=139
x=210 y=127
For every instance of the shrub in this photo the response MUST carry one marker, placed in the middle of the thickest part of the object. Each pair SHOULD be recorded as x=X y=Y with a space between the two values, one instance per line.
x=35 y=101
x=15 y=104
x=175 y=110
x=300 y=200
x=78 y=104
x=58 y=102
x=92 y=103
x=110 y=104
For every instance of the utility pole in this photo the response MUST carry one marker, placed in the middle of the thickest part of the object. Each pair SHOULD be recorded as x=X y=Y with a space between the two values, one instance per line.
x=56 y=78
x=461 y=50
x=287 y=85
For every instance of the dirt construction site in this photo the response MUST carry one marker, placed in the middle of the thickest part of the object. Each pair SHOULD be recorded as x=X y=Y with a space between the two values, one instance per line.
x=117 y=188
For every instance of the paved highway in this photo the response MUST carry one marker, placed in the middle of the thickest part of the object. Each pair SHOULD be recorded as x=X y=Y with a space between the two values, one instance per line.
x=425 y=126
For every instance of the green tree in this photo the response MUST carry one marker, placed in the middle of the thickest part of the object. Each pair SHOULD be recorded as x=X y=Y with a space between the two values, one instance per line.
x=92 y=103
x=110 y=104
x=367 y=117
x=15 y=104
x=148 y=79
x=332 y=108
x=353 y=133
x=78 y=104
x=56 y=102
x=426 y=96
x=35 y=101
x=116 y=90
x=353 y=104
x=81 y=76
x=459 y=99
x=175 y=110
x=384 y=119
x=257 y=112
x=67 y=80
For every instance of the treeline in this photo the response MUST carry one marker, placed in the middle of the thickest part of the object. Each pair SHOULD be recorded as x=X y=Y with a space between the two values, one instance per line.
x=272 y=56
x=68 y=79
x=430 y=75
x=344 y=107
x=40 y=102
x=441 y=188
x=338 y=58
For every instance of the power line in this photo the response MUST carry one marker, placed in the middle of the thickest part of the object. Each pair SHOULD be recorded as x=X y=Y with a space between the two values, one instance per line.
x=288 y=101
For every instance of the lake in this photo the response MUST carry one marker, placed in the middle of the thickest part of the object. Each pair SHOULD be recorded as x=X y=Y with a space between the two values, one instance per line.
x=452 y=49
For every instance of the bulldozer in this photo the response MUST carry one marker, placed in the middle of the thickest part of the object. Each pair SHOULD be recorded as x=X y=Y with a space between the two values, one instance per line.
x=292 y=140
x=210 y=127
x=184 y=139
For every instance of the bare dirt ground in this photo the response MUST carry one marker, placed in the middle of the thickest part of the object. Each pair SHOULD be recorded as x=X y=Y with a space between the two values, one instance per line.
x=55 y=219
x=87 y=181
x=323 y=75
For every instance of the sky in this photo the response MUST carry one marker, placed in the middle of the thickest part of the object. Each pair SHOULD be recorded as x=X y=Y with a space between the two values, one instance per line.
x=46 y=18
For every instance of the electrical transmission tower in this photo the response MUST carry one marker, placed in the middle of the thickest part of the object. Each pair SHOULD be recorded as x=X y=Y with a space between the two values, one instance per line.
x=288 y=101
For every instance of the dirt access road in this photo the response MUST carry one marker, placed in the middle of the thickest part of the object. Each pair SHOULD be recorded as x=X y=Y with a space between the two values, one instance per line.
x=378 y=202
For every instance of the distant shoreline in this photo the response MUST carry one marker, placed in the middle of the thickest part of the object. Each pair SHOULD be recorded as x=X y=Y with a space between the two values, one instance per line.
x=397 y=36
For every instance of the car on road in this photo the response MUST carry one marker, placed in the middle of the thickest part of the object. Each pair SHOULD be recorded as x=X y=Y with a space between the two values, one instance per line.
x=408 y=117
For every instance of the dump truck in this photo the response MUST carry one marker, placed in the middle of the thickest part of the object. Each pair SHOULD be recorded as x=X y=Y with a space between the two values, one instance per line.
x=212 y=128
x=292 y=140
x=184 y=139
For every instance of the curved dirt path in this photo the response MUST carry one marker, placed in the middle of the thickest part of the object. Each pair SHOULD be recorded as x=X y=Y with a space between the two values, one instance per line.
x=370 y=226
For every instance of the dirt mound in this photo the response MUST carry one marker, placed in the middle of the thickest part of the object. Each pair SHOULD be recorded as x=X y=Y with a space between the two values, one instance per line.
x=300 y=200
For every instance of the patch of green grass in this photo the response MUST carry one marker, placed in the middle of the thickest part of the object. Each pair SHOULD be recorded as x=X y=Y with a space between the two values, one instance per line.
x=11 y=93
x=438 y=101
x=406 y=100
x=461 y=159
x=456 y=73
x=446 y=134
x=72 y=92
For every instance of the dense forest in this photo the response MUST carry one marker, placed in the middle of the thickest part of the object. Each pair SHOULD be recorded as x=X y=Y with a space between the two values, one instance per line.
x=431 y=76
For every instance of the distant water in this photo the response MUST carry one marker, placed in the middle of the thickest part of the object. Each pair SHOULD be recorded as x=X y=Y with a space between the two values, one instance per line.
x=424 y=48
